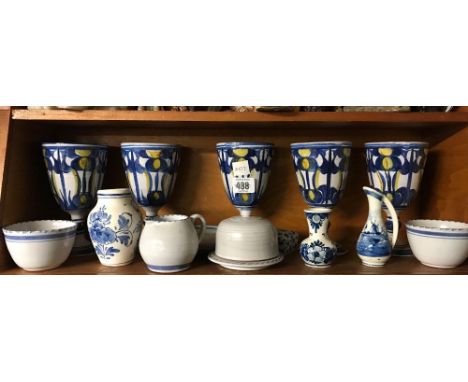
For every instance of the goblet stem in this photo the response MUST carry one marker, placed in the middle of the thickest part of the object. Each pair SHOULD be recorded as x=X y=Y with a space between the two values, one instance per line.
x=401 y=247
x=245 y=212
x=150 y=212
x=82 y=245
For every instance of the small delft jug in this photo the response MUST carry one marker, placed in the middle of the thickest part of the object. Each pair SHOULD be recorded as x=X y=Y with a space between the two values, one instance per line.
x=169 y=243
x=374 y=246
x=317 y=250
x=114 y=226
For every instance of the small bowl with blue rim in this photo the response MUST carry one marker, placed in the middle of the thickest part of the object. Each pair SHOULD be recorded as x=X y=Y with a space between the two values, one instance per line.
x=41 y=244
x=438 y=243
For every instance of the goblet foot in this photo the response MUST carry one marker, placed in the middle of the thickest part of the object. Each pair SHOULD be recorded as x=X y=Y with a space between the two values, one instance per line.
x=401 y=247
x=402 y=251
x=83 y=245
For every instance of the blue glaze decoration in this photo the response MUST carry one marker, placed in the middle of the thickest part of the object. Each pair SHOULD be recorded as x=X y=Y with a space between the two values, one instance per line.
x=76 y=172
x=396 y=169
x=39 y=237
x=317 y=253
x=103 y=235
x=321 y=170
x=168 y=267
x=448 y=234
x=151 y=171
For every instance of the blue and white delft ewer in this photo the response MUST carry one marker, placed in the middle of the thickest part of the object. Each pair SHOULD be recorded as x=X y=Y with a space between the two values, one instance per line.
x=151 y=171
x=321 y=171
x=396 y=169
x=374 y=245
x=75 y=174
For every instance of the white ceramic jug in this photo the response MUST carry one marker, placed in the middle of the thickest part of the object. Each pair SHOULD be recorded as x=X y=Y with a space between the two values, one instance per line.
x=169 y=243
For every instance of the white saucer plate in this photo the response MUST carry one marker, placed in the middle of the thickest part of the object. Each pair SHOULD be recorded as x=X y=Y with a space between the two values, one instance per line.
x=245 y=265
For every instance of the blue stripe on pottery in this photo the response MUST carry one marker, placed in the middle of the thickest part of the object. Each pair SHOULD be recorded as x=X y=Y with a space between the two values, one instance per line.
x=324 y=144
x=113 y=196
x=51 y=236
x=139 y=146
x=452 y=235
x=168 y=267
x=74 y=145
x=396 y=144
x=244 y=145
x=376 y=195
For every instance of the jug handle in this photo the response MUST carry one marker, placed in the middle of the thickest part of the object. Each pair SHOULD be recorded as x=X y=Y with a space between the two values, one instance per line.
x=200 y=232
x=394 y=216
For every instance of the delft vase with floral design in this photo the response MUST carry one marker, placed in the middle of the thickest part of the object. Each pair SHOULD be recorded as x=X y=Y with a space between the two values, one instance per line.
x=374 y=246
x=396 y=169
x=317 y=250
x=115 y=226
x=246 y=164
x=151 y=171
x=321 y=172
x=75 y=174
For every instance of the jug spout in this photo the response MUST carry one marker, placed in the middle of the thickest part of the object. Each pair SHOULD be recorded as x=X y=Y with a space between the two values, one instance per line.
x=374 y=246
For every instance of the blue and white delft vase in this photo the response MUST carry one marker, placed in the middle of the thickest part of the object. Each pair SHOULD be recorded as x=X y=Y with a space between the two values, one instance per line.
x=321 y=172
x=317 y=250
x=374 y=246
x=254 y=174
x=75 y=174
x=396 y=169
x=115 y=226
x=151 y=170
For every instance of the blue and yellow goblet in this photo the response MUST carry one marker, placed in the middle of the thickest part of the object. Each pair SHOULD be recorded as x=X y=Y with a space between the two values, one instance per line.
x=151 y=170
x=75 y=174
x=245 y=242
x=321 y=171
x=396 y=169
x=245 y=168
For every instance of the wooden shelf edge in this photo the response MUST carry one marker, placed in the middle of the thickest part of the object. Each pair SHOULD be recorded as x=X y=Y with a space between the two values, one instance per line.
x=226 y=116
x=348 y=264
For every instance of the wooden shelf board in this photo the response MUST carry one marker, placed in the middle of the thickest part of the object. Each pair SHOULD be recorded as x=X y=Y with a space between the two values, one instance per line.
x=202 y=116
x=348 y=264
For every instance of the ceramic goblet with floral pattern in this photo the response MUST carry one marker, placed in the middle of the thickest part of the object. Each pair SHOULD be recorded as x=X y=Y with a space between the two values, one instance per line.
x=151 y=170
x=75 y=174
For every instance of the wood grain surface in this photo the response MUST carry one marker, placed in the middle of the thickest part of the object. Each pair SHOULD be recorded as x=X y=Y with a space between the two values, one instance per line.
x=4 y=162
x=348 y=264
x=229 y=116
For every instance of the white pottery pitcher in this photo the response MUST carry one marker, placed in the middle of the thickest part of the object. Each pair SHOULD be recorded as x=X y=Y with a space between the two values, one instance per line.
x=169 y=243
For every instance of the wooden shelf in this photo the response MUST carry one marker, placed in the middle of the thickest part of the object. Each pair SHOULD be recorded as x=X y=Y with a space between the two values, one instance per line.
x=348 y=264
x=443 y=192
x=226 y=116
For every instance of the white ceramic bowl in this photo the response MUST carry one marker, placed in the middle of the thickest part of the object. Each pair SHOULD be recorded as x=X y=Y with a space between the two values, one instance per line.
x=40 y=245
x=246 y=239
x=438 y=243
